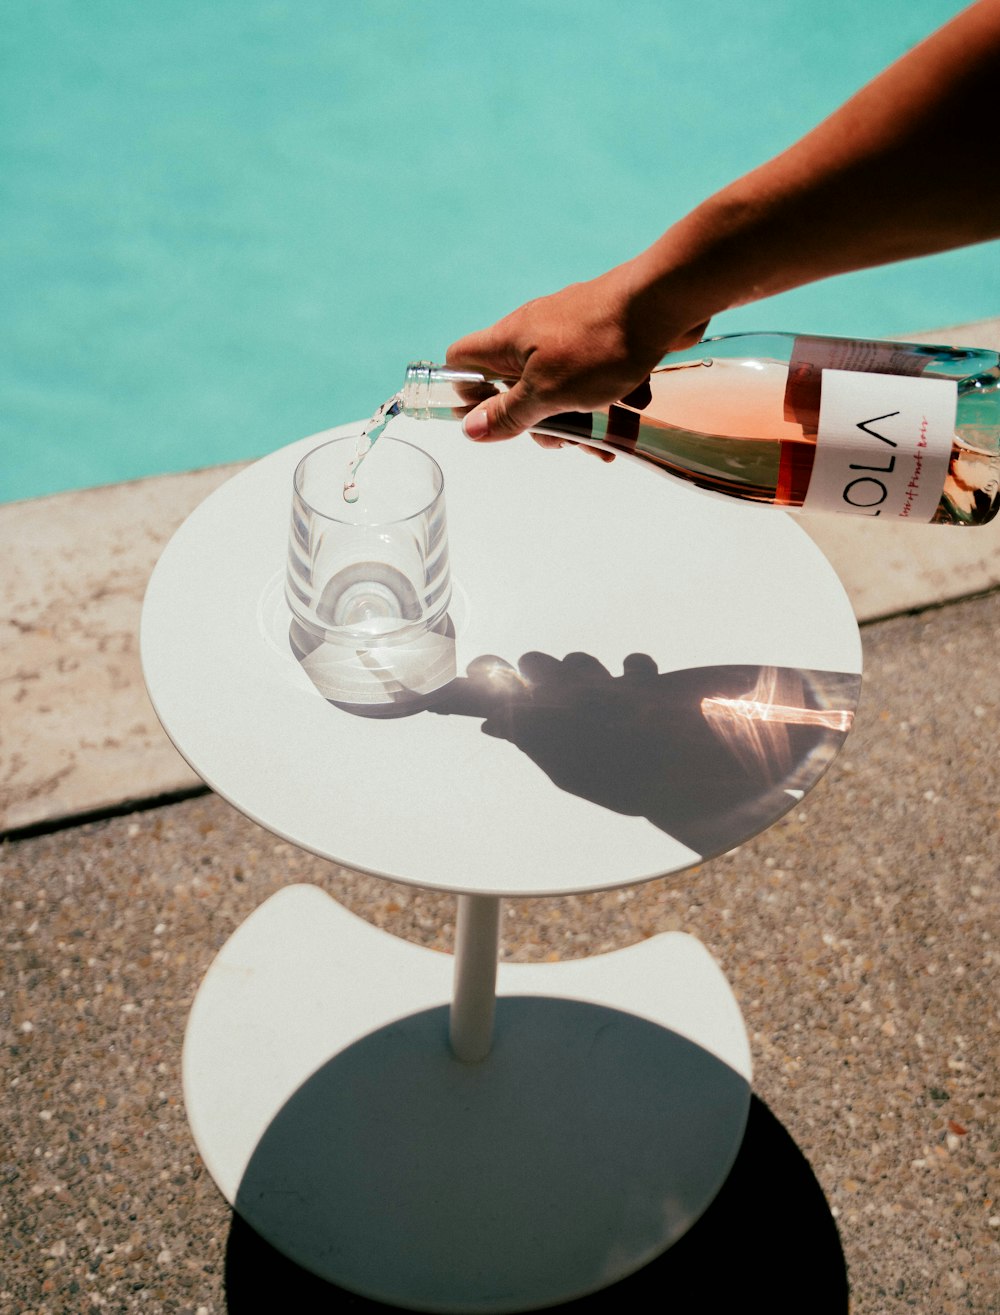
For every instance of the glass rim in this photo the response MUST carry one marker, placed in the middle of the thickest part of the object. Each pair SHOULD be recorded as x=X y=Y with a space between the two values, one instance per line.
x=386 y=439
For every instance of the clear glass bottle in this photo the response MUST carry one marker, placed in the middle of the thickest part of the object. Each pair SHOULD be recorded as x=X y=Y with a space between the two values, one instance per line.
x=878 y=429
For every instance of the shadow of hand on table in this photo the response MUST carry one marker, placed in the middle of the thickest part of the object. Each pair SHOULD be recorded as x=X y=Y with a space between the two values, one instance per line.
x=709 y=754
x=768 y=1239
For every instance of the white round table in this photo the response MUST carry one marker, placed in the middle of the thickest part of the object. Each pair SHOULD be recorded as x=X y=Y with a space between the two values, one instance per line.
x=646 y=677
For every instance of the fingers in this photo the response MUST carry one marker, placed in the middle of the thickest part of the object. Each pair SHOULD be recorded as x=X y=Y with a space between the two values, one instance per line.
x=504 y=415
x=477 y=425
x=639 y=666
x=585 y=665
x=494 y=421
x=543 y=668
x=553 y=444
x=489 y=350
x=539 y=667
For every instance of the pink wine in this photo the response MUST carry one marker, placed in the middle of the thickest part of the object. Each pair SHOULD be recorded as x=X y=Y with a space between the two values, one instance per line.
x=898 y=431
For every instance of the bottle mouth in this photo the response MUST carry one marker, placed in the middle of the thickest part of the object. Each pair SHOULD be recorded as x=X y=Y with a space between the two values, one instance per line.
x=417 y=389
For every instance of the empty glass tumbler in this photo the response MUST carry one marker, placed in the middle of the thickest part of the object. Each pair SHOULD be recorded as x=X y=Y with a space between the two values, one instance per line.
x=372 y=573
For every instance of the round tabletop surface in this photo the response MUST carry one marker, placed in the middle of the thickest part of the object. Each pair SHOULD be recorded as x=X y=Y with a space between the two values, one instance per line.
x=644 y=676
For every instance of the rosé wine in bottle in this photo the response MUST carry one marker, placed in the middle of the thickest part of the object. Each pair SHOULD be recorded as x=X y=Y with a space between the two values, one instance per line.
x=897 y=431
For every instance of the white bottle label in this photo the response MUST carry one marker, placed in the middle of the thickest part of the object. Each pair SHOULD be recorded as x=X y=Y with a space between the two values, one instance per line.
x=883 y=445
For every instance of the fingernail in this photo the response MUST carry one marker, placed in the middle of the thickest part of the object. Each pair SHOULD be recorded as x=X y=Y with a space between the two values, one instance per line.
x=476 y=424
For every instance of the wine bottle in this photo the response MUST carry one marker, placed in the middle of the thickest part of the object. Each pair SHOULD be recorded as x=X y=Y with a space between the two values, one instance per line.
x=900 y=431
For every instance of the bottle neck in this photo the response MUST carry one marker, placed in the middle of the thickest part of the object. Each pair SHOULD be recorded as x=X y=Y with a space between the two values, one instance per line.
x=437 y=392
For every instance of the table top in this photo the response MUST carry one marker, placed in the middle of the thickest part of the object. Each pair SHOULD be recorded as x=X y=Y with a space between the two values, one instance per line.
x=647 y=676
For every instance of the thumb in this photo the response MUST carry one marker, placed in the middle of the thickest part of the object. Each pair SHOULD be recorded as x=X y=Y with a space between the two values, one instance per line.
x=502 y=416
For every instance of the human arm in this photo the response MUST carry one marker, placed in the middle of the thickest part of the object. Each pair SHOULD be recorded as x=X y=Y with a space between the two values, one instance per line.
x=902 y=169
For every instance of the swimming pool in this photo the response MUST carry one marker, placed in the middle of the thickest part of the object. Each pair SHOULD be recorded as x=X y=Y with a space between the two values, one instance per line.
x=230 y=223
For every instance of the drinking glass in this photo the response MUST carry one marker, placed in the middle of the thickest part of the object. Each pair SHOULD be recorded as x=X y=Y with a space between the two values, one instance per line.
x=368 y=582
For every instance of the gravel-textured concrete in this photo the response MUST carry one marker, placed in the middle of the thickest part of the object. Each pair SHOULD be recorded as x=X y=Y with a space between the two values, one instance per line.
x=860 y=935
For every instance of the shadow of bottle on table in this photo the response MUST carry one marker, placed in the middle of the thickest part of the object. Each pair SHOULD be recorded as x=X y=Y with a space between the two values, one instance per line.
x=768 y=1234
x=711 y=754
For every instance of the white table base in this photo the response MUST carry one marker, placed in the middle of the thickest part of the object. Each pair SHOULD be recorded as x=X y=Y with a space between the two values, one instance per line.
x=333 y=1115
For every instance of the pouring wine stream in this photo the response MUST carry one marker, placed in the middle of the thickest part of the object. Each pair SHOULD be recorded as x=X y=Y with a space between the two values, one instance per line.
x=366 y=441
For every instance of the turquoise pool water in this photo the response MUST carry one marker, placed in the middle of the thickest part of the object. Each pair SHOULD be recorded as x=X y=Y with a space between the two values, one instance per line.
x=230 y=223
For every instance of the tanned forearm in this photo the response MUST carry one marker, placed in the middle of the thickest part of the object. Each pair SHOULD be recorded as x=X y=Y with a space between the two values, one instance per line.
x=902 y=169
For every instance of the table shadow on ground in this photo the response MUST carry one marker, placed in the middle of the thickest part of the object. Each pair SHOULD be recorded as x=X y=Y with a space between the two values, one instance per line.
x=768 y=1234
x=588 y=1140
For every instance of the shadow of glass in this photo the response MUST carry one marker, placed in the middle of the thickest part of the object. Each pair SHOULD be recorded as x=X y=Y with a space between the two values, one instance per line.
x=396 y=677
x=768 y=1239
x=586 y=1142
x=710 y=754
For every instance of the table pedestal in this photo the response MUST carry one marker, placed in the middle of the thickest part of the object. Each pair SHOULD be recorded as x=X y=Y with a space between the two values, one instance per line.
x=546 y=1129
x=337 y=1119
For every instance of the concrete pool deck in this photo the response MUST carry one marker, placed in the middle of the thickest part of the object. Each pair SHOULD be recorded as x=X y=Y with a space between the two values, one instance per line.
x=860 y=936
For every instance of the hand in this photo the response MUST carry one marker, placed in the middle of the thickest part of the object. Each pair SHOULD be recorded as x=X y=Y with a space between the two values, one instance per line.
x=576 y=350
